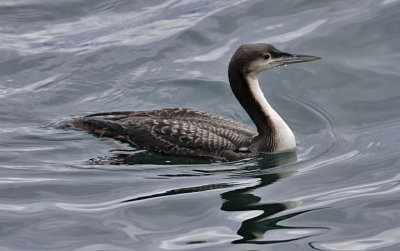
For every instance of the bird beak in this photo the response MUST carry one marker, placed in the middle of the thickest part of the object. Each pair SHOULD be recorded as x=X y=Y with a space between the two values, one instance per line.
x=294 y=58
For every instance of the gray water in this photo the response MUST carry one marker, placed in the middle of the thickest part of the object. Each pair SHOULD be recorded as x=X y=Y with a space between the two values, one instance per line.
x=62 y=189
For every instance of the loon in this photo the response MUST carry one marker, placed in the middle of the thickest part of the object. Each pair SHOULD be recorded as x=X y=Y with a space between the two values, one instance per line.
x=197 y=134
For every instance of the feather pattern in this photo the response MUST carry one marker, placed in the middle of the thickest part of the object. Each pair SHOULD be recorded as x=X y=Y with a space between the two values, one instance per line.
x=174 y=131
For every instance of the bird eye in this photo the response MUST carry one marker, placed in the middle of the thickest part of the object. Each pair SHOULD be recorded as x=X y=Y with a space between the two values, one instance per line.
x=267 y=56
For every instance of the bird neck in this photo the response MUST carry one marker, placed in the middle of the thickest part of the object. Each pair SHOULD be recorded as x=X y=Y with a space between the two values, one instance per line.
x=273 y=133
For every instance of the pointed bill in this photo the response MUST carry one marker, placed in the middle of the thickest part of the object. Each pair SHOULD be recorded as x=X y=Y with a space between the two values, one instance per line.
x=294 y=58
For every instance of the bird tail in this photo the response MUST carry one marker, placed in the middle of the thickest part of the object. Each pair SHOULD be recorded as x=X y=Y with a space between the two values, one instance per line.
x=98 y=126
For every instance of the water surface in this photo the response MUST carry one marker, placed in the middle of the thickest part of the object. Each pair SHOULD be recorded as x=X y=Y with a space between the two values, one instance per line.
x=62 y=189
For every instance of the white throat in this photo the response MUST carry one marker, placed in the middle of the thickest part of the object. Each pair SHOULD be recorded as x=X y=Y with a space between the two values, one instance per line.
x=285 y=139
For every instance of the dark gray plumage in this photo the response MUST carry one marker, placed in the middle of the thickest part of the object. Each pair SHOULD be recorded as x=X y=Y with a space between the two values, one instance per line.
x=191 y=133
x=175 y=131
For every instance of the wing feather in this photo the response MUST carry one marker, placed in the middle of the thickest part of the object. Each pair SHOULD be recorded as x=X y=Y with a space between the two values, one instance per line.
x=177 y=131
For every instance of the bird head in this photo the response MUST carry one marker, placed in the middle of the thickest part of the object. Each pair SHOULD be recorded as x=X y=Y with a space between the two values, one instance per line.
x=259 y=57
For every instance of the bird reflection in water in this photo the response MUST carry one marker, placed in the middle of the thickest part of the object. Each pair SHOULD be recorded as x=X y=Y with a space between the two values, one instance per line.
x=254 y=229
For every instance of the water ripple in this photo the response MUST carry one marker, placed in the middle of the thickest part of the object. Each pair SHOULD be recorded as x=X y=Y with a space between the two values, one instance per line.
x=372 y=242
x=63 y=189
x=104 y=28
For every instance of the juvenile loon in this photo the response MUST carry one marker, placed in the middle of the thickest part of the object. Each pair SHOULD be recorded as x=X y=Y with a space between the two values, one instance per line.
x=191 y=133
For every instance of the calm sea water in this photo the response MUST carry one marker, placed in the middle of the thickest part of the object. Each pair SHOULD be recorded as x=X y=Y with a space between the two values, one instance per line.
x=63 y=189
